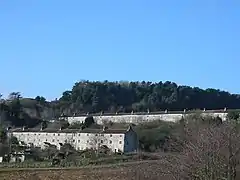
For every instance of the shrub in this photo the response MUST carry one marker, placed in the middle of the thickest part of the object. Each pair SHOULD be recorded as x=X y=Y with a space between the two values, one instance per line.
x=88 y=121
x=152 y=136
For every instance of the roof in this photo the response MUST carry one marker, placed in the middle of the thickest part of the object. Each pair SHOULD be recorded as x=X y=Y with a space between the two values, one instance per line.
x=86 y=130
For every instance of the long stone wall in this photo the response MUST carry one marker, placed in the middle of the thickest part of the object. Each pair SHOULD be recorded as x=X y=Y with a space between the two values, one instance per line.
x=136 y=119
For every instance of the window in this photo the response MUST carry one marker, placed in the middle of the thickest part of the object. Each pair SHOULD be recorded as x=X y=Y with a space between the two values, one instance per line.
x=53 y=134
x=46 y=140
x=101 y=141
x=110 y=142
x=102 y=134
x=53 y=140
x=73 y=140
x=87 y=134
x=95 y=134
x=34 y=134
x=87 y=141
x=46 y=134
x=58 y=134
x=120 y=142
x=79 y=141
x=110 y=135
x=79 y=134
x=120 y=135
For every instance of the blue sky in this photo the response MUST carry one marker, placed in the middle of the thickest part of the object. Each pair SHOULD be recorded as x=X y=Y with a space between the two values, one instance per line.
x=47 y=46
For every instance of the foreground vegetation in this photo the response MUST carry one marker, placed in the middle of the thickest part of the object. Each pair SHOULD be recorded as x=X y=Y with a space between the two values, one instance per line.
x=194 y=148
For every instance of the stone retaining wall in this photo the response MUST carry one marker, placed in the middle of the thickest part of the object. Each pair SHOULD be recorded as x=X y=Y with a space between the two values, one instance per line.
x=136 y=119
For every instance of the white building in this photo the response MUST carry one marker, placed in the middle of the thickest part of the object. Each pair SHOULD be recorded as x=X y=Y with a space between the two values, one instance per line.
x=118 y=140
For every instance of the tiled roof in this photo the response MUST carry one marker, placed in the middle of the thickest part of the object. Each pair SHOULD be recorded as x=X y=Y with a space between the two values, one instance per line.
x=86 y=130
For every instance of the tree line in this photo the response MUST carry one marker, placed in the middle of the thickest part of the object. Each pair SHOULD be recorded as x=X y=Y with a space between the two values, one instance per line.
x=112 y=97
x=95 y=96
x=12 y=112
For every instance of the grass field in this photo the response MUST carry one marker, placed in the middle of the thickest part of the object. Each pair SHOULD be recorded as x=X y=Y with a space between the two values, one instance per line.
x=143 y=170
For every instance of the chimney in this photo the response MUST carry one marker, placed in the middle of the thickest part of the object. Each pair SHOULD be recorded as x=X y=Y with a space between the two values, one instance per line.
x=23 y=128
x=60 y=128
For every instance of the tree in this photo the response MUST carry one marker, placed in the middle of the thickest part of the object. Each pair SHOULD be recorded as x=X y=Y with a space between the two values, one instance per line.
x=96 y=141
x=14 y=140
x=88 y=121
x=76 y=125
x=95 y=96
x=1 y=99
x=233 y=115
x=15 y=105
x=51 y=151
x=40 y=99
x=14 y=95
x=210 y=151
x=3 y=135
x=153 y=136
x=67 y=148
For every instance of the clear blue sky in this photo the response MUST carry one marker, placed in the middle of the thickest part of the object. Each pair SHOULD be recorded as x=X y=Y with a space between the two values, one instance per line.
x=48 y=45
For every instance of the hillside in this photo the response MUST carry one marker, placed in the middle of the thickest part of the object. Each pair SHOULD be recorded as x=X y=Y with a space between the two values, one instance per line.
x=24 y=112
x=111 y=97
x=87 y=96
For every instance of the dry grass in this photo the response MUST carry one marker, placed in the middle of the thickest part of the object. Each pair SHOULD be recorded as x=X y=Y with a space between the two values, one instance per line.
x=146 y=170
x=130 y=171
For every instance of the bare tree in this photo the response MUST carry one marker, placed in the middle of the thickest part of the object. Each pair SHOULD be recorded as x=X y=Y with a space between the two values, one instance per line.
x=96 y=141
x=210 y=152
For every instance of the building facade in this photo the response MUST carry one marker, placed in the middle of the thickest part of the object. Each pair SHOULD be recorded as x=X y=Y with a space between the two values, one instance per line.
x=117 y=140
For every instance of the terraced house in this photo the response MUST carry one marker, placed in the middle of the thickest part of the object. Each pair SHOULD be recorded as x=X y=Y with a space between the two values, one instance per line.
x=117 y=140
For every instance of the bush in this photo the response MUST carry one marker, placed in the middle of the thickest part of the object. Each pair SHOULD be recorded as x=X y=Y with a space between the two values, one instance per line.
x=88 y=121
x=76 y=125
x=233 y=115
x=152 y=136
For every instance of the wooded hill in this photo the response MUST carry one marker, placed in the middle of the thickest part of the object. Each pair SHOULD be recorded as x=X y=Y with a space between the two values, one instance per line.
x=87 y=96
x=111 y=97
